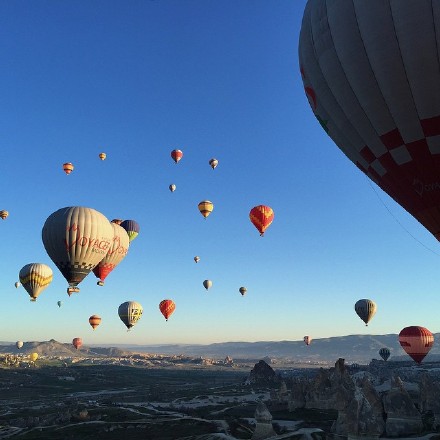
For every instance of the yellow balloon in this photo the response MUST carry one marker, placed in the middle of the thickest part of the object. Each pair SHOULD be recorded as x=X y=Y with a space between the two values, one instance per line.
x=34 y=357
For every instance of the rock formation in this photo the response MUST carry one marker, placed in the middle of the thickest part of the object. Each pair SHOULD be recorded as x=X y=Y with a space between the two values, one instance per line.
x=429 y=399
x=263 y=374
x=263 y=417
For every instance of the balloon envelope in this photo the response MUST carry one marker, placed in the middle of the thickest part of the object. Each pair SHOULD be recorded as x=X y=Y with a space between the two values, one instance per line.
x=19 y=344
x=213 y=162
x=94 y=321
x=77 y=239
x=172 y=187
x=132 y=227
x=35 y=277
x=207 y=284
x=176 y=155
x=4 y=214
x=117 y=252
x=416 y=341
x=307 y=340
x=206 y=207
x=77 y=342
x=242 y=290
x=167 y=307
x=384 y=353
x=130 y=312
x=68 y=167
x=370 y=73
x=365 y=309
x=34 y=357
x=196 y=259
x=261 y=217
x=102 y=156
x=17 y=284
x=60 y=303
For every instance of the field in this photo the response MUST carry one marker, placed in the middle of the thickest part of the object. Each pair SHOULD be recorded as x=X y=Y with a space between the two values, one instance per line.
x=83 y=402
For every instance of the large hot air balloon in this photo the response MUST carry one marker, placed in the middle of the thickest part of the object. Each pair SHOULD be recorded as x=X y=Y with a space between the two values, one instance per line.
x=365 y=309
x=4 y=214
x=59 y=303
x=68 y=167
x=242 y=290
x=261 y=217
x=102 y=156
x=167 y=307
x=130 y=312
x=77 y=239
x=206 y=207
x=77 y=342
x=94 y=321
x=34 y=357
x=371 y=75
x=416 y=341
x=207 y=284
x=19 y=344
x=176 y=155
x=117 y=252
x=196 y=259
x=384 y=353
x=132 y=227
x=35 y=277
x=172 y=187
x=213 y=162
x=307 y=340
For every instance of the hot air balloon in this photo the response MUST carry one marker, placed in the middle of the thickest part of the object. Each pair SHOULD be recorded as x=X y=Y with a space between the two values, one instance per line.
x=35 y=277
x=384 y=353
x=167 y=307
x=77 y=239
x=172 y=187
x=130 y=312
x=307 y=340
x=370 y=73
x=365 y=309
x=176 y=155
x=68 y=167
x=206 y=207
x=207 y=284
x=77 y=342
x=34 y=357
x=132 y=227
x=17 y=284
x=242 y=290
x=117 y=252
x=102 y=156
x=196 y=259
x=118 y=221
x=416 y=341
x=60 y=303
x=213 y=162
x=19 y=344
x=4 y=214
x=261 y=217
x=94 y=321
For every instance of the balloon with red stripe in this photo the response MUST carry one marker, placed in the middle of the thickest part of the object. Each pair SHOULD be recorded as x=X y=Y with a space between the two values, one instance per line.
x=416 y=341
x=261 y=217
x=167 y=307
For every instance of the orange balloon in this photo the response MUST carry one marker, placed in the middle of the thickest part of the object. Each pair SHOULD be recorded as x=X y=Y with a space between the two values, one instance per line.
x=261 y=217
x=167 y=307
x=68 y=167
x=77 y=342
x=416 y=341
x=94 y=321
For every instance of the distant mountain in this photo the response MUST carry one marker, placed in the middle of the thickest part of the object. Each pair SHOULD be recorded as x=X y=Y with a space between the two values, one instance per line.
x=353 y=348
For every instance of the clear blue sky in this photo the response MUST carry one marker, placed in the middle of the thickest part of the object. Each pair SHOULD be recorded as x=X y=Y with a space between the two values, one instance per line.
x=215 y=78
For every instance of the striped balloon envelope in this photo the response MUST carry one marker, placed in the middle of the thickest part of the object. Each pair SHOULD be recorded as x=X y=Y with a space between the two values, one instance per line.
x=132 y=227
x=205 y=207
x=167 y=307
x=94 y=321
x=35 y=277
x=371 y=74
x=416 y=341
x=261 y=217
x=365 y=309
x=68 y=167
x=76 y=239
